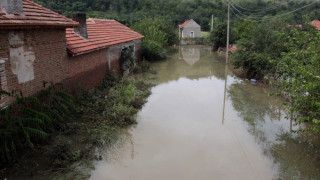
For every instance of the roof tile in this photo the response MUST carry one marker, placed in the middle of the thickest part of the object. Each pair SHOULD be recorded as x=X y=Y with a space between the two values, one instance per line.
x=102 y=33
x=315 y=23
x=35 y=15
x=184 y=24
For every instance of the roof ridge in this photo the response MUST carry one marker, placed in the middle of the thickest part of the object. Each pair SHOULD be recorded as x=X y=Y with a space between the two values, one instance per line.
x=43 y=8
x=185 y=23
x=102 y=33
x=35 y=15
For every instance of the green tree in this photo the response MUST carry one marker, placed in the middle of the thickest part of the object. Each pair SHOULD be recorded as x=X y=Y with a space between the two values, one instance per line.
x=218 y=37
x=298 y=75
x=255 y=51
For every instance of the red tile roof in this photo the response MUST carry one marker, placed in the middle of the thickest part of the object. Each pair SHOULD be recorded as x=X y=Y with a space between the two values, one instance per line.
x=102 y=33
x=315 y=23
x=184 y=24
x=34 y=15
x=233 y=48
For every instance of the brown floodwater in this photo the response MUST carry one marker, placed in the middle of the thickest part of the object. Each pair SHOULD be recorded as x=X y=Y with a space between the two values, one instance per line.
x=201 y=122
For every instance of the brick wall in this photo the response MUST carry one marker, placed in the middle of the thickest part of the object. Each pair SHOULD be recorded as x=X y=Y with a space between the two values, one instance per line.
x=138 y=49
x=37 y=55
x=34 y=56
x=114 y=60
x=86 y=71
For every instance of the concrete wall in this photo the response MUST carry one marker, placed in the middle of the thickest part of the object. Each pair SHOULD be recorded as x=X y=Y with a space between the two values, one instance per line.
x=192 y=26
x=30 y=56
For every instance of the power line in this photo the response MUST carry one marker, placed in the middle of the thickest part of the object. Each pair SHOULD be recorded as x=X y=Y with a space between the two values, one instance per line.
x=242 y=17
x=242 y=13
x=277 y=16
x=255 y=10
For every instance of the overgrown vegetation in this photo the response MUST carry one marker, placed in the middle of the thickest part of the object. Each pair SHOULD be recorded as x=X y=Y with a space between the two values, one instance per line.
x=298 y=75
x=62 y=132
x=29 y=119
x=159 y=33
x=127 y=59
x=115 y=102
x=130 y=12
x=218 y=37
x=257 y=49
x=246 y=15
x=288 y=57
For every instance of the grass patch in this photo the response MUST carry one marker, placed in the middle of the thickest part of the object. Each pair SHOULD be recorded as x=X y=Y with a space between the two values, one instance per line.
x=205 y=34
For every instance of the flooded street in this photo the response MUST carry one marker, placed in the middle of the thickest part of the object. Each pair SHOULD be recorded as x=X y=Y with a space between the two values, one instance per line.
x=202 y=122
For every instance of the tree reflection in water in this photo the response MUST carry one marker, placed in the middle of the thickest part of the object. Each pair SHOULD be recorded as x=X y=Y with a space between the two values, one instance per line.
x=295 y=155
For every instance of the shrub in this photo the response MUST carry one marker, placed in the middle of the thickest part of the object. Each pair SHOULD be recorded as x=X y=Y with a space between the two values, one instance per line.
x=255 y=53
x=152 y=50
x=299 y=76
x=158 y=33
x=159 y=28
x=29 y=119
x=218 y=37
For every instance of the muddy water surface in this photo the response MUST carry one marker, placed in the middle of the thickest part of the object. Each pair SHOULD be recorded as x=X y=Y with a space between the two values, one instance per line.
x=202 y=122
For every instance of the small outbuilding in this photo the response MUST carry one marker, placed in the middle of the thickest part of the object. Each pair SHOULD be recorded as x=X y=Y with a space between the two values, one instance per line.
x=189 y=29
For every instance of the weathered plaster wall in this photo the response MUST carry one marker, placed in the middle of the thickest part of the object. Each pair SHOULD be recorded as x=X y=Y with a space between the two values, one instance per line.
x=21 y=59
x=34 y=56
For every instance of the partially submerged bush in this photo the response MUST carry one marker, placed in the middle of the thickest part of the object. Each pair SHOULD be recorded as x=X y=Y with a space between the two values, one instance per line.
x=152 y=50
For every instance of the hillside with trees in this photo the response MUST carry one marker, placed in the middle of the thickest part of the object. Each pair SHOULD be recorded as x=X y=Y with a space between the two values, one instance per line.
x=131 y=11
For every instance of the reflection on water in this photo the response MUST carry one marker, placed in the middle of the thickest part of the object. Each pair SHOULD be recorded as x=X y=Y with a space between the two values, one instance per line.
x=182 y=134
x=189 y=54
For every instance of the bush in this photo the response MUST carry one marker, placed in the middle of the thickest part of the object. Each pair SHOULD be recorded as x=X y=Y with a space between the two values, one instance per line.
x=158 y=33
x=160 y=30
x=29 y=119
x=218 y=37
x=152 y=50
x=255 y=53
x=299 y=76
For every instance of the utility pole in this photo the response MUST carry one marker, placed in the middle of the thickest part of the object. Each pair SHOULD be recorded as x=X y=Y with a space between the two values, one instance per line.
x=228 y=31
x=227 y=62
x=212 y=23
